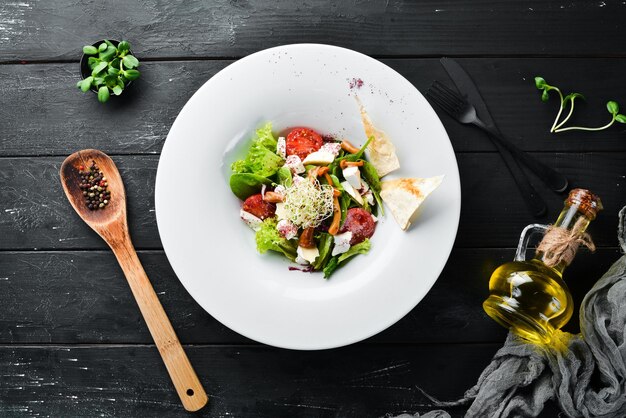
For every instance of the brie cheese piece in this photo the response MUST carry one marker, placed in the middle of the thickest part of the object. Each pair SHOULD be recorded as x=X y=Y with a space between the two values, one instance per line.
x=280 y=211
x=350 y=190
x=320 y=157
x=308 y=255
x=353 y=176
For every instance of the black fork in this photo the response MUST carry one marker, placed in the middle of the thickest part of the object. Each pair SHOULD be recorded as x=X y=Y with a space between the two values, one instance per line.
x=457 y=107
x=462 y=111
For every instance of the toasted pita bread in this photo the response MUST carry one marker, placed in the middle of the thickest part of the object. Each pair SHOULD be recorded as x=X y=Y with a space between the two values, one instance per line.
x=404 y=196
x=381 y=151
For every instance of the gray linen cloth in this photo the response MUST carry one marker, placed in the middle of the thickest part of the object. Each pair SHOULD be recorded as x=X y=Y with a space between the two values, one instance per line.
x=588 y=379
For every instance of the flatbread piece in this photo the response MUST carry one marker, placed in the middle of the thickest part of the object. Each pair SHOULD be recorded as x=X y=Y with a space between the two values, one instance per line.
x=404 y=196
x=381 y=151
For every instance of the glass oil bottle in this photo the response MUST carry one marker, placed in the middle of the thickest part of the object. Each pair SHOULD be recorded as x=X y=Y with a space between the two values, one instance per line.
x=529 y=296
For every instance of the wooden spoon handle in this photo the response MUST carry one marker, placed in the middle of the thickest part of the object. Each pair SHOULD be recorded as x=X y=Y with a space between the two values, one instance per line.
x=181 y=372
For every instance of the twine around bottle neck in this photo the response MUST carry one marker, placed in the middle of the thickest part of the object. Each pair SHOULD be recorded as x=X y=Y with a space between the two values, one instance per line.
x=559 y=244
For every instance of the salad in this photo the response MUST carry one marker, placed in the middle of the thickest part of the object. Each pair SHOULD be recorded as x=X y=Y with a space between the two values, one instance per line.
x=316 y=199
x=310 y=198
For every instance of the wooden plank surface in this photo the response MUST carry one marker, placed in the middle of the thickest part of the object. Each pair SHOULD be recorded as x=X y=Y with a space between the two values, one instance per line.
x=254 y=382
x=35 y=213
x=46 y=115
x=72 y=342
x=82 y=297
x=56 y=30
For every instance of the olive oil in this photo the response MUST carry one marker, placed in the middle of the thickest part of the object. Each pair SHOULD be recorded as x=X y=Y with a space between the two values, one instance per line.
x=529 y=296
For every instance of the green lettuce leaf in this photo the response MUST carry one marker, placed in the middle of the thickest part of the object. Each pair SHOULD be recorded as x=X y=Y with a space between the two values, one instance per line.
x=284 y=176
x=360 y=248
x=337 y=261
x=240 y=166
x=336 y=182
x=324 y=247
x=370 y=175
x=344 y=204
x=263 y=162
x=359 y=154
x=265 y=137
x=379 y=203
x=268 y=239
x=244 y=185
x=330 y=268
x=261 y=159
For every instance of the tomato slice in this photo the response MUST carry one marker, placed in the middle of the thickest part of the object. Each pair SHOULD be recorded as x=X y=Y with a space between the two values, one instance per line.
x=302 y=142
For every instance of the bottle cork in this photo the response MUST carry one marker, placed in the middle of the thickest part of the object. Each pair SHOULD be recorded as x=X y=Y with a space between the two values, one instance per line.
x=586 y=202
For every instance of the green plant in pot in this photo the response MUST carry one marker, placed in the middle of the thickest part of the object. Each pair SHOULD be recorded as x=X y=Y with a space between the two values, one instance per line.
x=108 y=67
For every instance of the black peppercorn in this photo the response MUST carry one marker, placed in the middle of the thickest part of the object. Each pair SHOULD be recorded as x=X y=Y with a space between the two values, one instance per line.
x=94 y=186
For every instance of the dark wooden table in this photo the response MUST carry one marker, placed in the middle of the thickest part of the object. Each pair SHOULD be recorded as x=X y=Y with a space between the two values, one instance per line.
x=72 y=342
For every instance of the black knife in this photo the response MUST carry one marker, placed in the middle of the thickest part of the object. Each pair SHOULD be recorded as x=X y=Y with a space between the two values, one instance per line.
x=553 y=179
x=534 y=202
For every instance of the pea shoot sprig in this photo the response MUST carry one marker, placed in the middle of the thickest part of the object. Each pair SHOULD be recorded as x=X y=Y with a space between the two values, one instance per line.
x=569 y=99
x=112 y=68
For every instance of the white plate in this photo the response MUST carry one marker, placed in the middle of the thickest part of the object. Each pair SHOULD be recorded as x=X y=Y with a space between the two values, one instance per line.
x=213 y=252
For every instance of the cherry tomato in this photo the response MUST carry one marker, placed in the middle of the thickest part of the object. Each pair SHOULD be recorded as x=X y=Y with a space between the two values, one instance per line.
x=360 y=223
x=302 y=142
x=259 y=207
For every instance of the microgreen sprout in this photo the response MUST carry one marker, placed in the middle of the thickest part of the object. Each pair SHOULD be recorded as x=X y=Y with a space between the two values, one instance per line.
x=557 y=126
x=112 y=68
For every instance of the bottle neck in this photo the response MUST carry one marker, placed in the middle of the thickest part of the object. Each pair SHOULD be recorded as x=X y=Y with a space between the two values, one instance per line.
x=572 y=221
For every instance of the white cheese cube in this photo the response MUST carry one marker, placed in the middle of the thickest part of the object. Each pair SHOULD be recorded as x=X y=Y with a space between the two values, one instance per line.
x=350 y=190
x=342 y=243
x=294 y=163
x=319 y=158
x=353 y=176
x=332 y=147
x=287 y=229
x=307 y=254
x=281 y=147
x=280 y=189
x=252 y=221
x=297 y=180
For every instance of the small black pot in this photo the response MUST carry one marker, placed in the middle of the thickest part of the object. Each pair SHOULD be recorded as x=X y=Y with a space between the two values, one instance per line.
x=84 y=66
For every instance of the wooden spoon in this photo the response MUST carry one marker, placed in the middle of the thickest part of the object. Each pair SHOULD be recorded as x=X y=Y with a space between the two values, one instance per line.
x=111 y=224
